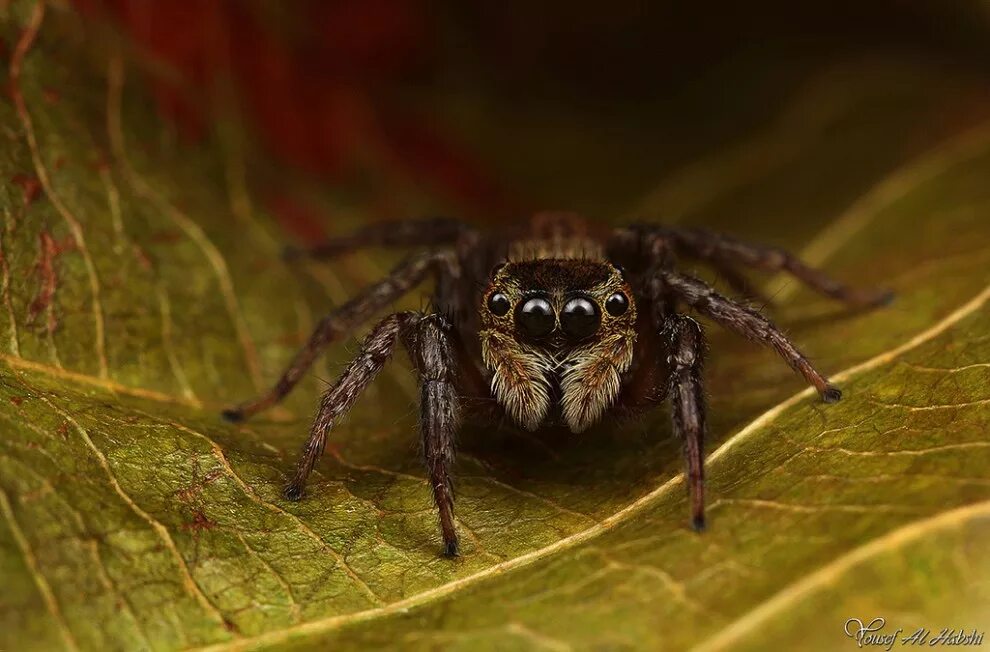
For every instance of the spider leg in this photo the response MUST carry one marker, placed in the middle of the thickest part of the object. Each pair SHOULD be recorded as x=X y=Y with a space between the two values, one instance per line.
x=400 y=280
x=686 y=350
x=738 y=282
x=430 y=232
x=377 y=348
x=723 y=251
x=745 y=321
x=430 y=350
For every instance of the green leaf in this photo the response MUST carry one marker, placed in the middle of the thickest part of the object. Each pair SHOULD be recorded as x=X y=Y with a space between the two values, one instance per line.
x=142 y=291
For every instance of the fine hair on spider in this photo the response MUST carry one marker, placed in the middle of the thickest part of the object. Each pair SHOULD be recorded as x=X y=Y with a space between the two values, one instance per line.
x=555 y=325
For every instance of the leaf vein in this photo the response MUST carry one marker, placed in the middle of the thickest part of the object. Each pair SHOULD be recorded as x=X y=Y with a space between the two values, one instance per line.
x=283 y=584
x=192 y=230
x=830 y=572
x=250 y=492
x=32 y=564
x=187 y=579
x=812 y=509
x=86 y=379
x=91 y=544
x=5 y=285
x=113 y=200
x=23 y=45
x=912 y=452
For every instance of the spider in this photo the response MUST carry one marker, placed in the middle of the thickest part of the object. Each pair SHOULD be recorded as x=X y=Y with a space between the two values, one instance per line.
x=554 y=325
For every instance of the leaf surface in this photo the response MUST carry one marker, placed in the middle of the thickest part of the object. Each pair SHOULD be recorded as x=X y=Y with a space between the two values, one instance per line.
x=142 y=291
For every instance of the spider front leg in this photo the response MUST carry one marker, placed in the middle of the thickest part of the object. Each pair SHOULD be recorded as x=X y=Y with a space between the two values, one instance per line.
x=377 y=348
x=743 y=320
x=430 y=350
x=349 y=316
x=426 y=340
x=686 y=349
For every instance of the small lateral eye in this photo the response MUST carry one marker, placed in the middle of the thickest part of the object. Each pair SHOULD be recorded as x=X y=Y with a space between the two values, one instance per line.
x=617 y=304
x=535 y=318
x=580 y=318
x=499 y=304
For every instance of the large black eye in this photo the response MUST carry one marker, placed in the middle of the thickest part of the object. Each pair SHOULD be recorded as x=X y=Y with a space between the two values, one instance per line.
x=617 y=304
x=499 y=304
x=580 y=318
x=534 y=317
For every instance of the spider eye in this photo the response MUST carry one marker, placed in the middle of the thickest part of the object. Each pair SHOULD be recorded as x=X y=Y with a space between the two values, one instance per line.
x=617 y=304
x=535 y=317
x=580 y=317
x=498 y=303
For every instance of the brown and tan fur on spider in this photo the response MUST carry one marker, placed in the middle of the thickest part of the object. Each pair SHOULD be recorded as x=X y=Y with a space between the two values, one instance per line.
x=551 y=326
x=561 y=355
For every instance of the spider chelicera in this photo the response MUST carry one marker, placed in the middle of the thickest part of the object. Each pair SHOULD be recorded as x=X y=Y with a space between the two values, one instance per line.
x=548 y=327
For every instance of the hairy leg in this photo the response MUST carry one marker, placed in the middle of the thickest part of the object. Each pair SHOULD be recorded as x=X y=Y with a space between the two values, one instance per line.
x=352 y=314
x=375 y=352
x=431 y=232
x=723 y=251
x=686 y=348
x=432 y=355
x=745 y=321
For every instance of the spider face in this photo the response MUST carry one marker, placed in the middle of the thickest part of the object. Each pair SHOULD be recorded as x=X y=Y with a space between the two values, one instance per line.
x=557 y=334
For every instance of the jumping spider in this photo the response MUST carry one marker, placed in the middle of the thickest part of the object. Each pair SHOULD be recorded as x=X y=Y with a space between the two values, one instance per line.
x=554 y=326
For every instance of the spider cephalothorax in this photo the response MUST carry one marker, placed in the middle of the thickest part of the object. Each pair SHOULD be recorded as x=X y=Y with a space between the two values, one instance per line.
x=546 y=329
x=557 y=334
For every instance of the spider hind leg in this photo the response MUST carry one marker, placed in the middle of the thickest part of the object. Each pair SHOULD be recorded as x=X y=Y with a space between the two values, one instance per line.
x=724 y=252
x=425 y=232
x=405 y=276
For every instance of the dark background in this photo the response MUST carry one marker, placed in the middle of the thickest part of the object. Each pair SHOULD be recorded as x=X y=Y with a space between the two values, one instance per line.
x=447 y=96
